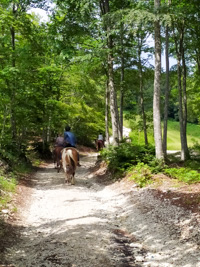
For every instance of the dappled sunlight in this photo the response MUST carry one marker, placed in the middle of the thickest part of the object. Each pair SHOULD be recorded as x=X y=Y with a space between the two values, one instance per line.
x=90 y=224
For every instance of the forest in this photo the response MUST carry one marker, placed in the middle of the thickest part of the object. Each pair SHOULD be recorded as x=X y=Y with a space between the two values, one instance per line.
x=100 y=66
x=91 y=65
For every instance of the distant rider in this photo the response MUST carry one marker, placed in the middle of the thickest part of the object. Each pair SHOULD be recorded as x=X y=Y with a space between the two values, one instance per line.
x=101 y=138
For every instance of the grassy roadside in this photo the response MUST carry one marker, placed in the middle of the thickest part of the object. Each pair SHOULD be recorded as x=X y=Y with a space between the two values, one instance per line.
x=9 y=180
x=173 y=134
x=10 y=176
x=7 y=188
x=173 y=138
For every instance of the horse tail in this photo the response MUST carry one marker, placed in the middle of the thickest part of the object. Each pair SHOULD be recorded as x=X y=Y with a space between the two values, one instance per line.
x=72 y=158
x=72 y=162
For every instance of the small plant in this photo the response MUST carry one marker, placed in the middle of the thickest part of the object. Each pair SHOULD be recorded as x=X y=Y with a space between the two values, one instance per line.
x=156 y=165
x=7 y=186
x=183 y=174
x=141 y=174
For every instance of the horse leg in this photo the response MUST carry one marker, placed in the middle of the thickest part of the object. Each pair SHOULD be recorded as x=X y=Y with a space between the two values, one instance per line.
x=72 y=179
x=54 y=158
x=60 y=166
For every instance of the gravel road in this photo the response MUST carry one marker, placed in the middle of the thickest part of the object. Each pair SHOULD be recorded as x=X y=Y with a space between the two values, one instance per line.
x=96 y=225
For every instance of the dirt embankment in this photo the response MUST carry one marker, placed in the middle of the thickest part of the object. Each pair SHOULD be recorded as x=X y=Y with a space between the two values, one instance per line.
x=97 y=224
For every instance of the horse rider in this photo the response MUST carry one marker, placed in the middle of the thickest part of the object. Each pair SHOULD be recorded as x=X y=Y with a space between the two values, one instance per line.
x=70 y=140
x=100 y=142
x=58 y=146
x=101 y=138
x=60 y=141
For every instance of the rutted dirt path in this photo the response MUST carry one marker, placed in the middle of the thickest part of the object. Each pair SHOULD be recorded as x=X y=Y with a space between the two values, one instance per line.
x=94 y=225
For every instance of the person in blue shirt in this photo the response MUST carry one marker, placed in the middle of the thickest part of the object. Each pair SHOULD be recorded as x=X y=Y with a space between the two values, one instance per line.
x=70 y=139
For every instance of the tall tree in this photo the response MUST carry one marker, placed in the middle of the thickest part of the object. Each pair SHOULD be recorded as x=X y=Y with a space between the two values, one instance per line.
x=179 y=27
x=167 y=89
x=156 y=96
x=105 y=9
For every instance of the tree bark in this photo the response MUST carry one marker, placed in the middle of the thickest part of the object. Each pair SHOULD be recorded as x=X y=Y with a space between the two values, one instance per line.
x=167 y=91
x=142 y=95
x=182 y=94
x=12 y=104
x=156 y=97
x=187 y=155
x=107 y=114
x=121 y=87
x=104 y=5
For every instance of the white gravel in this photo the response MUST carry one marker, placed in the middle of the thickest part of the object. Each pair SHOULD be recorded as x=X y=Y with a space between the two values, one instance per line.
x=75 y=226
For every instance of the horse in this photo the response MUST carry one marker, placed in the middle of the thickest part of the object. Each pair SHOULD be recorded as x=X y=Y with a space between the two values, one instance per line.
x=57 y=157
x=69 y=163
x=99 y=144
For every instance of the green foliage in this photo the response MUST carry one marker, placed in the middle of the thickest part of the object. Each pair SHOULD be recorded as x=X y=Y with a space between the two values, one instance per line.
x=43 y=150
x=196 y=147
x=125 y=155
x=135 y=122
x=156 y=165
x=12 y=153
x=141 y=174
x=7 y=186
x=193 y=164
x=183 y=174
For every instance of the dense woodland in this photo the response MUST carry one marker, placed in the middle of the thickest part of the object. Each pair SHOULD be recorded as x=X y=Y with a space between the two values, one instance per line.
x=90 y=65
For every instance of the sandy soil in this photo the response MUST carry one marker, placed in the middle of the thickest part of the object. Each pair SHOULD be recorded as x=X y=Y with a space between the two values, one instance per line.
x=95 y=224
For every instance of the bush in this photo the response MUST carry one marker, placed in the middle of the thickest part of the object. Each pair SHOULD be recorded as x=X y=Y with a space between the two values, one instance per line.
x=120 y=158
x=157 y=165
x=141 y=174
x=183 y=174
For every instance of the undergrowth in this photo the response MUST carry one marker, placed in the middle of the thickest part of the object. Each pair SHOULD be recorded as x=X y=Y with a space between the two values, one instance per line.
x=7 y=186
x=141 y=174
x=183 y=174
x=14 y=165
x=139 y=163
x=120 y=158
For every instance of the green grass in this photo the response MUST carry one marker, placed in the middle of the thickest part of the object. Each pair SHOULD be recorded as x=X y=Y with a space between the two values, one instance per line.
x=7 y=186
x=173 y=135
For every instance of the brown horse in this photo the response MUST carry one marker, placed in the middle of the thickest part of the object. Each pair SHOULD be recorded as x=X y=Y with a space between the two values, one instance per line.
x=70 y=160
x=99 y=144
x=57 y=157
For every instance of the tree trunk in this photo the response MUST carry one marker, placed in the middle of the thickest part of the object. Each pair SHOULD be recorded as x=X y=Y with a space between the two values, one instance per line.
x=167 y=91
x=182 y=108
x=107 y=114
x=198 y=59
x=104 y=5
x=185 y=106
x=12 y=104
x=156 y=97
x=183 y=156
x=121 y=87
x=142 y=95
x=113 y=102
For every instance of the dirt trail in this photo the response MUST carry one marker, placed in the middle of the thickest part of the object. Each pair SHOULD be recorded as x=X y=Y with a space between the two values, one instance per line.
x=94 y=225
